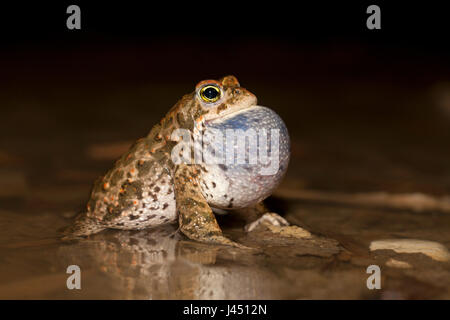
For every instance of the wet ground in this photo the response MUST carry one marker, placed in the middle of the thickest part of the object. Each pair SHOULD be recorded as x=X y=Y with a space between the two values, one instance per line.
x=370 y=161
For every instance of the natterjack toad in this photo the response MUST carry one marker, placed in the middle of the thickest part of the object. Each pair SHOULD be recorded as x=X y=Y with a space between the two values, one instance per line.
x=214 y=151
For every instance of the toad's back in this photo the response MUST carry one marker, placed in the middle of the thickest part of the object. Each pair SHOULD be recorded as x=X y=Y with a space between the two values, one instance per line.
x=137 y=193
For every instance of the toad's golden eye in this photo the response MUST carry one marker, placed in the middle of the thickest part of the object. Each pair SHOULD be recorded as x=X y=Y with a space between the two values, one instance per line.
x=210 y=93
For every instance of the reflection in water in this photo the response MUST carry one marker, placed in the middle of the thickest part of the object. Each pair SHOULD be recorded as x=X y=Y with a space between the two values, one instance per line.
x=160 y=264
x=155 y=263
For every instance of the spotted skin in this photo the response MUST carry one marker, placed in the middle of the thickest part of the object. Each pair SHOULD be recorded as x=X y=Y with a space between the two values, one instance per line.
x=146 y=188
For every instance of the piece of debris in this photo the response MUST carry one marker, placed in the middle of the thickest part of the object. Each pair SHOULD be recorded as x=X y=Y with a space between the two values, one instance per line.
x=417 y=202
x=440 y=93
x=290 y=231
x=432 y=249
x=108 y=151
x=393 y=263
x=13 y=184
x=8 y=159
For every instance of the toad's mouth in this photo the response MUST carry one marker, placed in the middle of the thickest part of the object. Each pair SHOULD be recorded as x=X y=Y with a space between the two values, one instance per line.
x=226 y=115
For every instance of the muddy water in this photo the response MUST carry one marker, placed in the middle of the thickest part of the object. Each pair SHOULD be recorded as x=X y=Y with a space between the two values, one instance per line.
x=360 y=137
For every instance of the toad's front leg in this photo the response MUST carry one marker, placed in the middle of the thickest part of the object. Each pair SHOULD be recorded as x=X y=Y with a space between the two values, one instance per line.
x=196 y=219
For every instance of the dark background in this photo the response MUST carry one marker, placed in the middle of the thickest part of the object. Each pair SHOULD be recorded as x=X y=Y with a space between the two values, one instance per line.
x=210 y=37
x=367 y=110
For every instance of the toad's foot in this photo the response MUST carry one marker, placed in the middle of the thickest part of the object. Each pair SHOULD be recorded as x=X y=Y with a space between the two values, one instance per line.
x=82 y=227
x=219 y=239
x=267 y=219
x=196 y=219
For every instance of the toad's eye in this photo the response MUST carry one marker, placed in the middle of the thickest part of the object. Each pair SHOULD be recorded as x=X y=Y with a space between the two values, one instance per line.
x=210 y=93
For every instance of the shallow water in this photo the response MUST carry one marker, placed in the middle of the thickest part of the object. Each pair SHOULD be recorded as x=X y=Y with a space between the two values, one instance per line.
x=161 y=264
x=361 y=136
